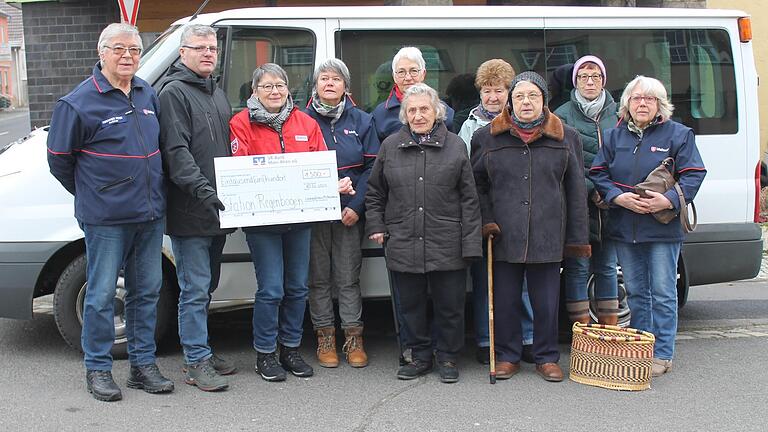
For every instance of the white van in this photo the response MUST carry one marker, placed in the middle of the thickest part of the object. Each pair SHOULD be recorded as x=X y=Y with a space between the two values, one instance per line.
x=704 y=57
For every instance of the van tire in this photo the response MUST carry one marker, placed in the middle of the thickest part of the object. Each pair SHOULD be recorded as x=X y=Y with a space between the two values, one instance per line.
x=68 y=301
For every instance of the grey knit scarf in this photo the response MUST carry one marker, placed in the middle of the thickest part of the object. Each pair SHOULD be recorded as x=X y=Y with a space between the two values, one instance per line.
x=590 y=108
x=258 y=114
x=331 y=111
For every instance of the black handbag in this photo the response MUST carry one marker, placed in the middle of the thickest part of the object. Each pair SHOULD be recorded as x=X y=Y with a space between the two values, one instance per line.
x=660 y=180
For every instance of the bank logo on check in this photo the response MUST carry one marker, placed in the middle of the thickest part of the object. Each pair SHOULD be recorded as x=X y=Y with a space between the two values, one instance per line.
x=259 y=160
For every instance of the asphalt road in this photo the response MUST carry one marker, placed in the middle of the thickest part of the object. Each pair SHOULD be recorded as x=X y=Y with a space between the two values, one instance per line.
x=719 y=382
x=14 y=124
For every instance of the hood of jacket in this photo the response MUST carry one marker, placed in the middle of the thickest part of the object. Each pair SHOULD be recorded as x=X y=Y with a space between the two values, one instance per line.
x=551 y=128
x=180 y=72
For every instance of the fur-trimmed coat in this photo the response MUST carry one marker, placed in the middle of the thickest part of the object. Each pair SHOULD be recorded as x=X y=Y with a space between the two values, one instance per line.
x=534 y=192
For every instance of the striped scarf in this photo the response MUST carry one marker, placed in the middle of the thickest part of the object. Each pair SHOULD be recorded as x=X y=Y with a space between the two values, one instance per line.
x=258 y=114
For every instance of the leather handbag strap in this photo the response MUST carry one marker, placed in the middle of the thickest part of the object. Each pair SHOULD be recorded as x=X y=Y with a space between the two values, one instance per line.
x=684 y=220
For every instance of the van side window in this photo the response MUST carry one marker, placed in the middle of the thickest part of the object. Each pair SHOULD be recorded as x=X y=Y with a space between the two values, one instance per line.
x=449 y=54
x=293 y=49
x=695 y=65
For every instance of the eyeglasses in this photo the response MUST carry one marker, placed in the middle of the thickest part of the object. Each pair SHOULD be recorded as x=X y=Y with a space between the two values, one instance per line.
x=648 y=99
x=533 y=97
x=120 y=50
x=596 y=78
x=412 y=72
x=269 y=87
x=201 y=49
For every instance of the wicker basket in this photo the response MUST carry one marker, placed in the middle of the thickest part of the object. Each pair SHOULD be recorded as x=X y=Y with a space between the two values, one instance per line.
x=611 y=357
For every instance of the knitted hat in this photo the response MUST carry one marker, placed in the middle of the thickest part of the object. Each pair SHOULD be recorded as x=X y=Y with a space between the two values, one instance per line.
x=588 y=59
x=534 y=79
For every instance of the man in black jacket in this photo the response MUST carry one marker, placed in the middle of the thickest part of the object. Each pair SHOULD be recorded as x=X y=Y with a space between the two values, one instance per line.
x=194 y=126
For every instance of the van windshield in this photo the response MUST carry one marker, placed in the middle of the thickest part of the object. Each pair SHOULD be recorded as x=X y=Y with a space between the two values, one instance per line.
x=152 y=49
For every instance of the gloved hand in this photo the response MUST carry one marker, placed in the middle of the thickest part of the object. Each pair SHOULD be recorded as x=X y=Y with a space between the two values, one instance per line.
x=213 y=205
x=491 y=229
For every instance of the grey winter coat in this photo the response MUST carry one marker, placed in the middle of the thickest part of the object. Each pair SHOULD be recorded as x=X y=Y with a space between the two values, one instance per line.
x=534 y=192
x=194 y=128
x=423 y=197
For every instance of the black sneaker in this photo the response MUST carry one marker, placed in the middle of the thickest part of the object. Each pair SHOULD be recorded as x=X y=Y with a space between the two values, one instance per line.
x=448 y=371
x=101 y=385
x=149 y=379
x=268 y=367
x=293 y=363
x=483 y=355
x=205 y=377
x=414 y=369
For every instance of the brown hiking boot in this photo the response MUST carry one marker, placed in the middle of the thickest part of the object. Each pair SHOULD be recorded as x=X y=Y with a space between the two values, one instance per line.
x=611 y=320
x=326 y=347
x=353 y=347
x=607 y=312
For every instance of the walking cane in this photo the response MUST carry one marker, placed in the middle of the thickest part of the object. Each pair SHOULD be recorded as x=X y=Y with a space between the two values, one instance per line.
x=490 y=310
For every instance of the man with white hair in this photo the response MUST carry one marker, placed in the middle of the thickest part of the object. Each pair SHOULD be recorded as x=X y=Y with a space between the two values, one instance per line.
x=103 y=148
x=194 y=130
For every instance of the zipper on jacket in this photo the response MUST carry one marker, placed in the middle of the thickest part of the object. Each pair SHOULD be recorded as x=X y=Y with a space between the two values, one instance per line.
x=634 y=175
x=333 y=135
x=599 y=132
x=282 y=142
x=109 y=186
x=146 y=157
x=210 y=126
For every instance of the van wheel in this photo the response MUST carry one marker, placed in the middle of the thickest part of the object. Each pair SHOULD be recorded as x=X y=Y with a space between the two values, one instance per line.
x=68 y=301
x=624 y=314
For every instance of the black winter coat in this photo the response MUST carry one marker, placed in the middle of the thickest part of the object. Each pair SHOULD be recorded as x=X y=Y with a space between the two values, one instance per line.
x=194 y=129
x=534 y=192
x=423 y=197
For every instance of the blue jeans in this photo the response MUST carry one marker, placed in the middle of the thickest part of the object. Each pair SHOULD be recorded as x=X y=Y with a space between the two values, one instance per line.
x=650 y=277
x=109 y=248
x=198 y=264
x=576 y=274
x=281 y=260
x=479 y=275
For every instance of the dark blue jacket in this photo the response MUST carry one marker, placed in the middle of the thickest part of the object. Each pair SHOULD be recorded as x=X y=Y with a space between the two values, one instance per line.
x=103 y=148
x=356 y=143
x=626 y=160
x=386 y=117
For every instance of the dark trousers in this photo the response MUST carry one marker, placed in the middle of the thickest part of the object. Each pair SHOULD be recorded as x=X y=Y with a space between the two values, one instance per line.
x=448 y=290
x=544 y=292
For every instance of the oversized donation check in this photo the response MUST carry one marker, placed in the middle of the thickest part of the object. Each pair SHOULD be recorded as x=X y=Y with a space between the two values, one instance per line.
x=276 y=189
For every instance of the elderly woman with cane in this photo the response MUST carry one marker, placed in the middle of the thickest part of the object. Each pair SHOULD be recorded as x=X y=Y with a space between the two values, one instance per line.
x=421 y=198
x=492 y=80
x=648 y=249
x=530 y=180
